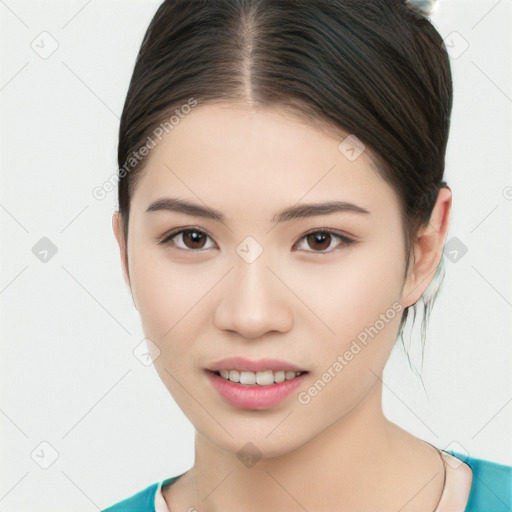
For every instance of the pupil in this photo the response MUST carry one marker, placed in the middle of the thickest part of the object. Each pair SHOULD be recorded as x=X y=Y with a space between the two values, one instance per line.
x=195 y=237
x=320 y=238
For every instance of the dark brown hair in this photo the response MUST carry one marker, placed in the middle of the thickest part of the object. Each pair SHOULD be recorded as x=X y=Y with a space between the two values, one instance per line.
x=375 y=69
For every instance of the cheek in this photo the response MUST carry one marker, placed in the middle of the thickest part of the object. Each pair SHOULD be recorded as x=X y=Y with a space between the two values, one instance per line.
x=164 y=293
x=363 y=308
x=173 y=305
x=350 y=293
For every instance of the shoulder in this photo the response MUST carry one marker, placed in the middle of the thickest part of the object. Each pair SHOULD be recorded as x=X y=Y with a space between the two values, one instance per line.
x=491 y=488
x=141 y=501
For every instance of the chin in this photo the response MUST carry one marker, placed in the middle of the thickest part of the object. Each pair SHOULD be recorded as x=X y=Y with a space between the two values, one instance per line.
x=251 y=447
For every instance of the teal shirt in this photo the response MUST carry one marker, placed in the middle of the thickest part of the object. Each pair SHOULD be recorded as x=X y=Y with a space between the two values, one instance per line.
x=491 y=489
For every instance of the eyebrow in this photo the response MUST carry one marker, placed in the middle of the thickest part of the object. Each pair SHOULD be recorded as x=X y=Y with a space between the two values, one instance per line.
x=300 y=211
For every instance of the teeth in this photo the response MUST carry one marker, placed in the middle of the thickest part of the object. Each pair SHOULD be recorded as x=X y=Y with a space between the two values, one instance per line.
x=264 y=378
x=247 y=378
x=279 y=376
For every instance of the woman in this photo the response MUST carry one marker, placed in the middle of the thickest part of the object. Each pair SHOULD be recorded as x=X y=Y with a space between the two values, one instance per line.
x=281 y=209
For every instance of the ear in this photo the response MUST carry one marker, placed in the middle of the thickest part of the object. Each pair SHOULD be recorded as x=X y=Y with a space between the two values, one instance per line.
x=427 y=249
x=117 y=226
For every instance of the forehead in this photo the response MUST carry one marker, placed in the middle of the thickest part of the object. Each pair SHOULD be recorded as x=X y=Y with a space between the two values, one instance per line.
x=248 y=158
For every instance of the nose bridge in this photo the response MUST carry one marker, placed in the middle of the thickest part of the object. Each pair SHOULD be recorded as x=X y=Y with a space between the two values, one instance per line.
x=253 y=301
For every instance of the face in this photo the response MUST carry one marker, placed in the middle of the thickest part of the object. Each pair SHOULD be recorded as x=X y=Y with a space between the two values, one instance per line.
x=313 y=290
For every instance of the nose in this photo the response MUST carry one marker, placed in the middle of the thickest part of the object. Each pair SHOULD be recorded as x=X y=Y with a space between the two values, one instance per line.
x=254 y=301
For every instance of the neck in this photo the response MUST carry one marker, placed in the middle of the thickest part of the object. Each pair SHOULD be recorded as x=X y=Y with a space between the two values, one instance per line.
x=353 y=464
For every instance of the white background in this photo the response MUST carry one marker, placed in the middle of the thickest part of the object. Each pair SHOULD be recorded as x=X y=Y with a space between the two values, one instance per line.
x=68 y=326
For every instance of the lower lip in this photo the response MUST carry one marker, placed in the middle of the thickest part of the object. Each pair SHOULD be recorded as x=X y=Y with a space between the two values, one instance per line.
x=253 y=396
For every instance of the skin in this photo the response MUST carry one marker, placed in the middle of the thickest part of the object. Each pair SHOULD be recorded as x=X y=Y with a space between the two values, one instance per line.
x=299 y=302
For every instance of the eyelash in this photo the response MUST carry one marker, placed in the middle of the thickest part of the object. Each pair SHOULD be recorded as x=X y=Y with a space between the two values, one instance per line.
x=345 y=240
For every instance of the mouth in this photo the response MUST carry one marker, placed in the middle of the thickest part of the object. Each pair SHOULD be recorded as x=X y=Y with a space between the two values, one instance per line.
x=260 y=378
x=254 y=384
x=255 y=390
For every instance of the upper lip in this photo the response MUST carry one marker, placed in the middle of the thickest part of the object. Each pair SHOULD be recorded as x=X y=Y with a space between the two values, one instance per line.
x=241 y=363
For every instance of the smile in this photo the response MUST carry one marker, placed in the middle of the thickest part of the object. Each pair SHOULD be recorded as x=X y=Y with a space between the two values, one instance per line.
x=255 y=390
x=261 y=378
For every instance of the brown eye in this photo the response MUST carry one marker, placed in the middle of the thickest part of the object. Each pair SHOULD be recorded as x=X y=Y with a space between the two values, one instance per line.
x=188 y=240
x=319 y=241
x=193 y=239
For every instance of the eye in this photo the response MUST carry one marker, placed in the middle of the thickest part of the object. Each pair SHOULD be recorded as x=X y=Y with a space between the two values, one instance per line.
x=323 y=239
x=188 y=240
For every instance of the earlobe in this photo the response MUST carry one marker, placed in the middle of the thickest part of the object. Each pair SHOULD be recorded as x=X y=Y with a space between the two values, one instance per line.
x=117 y=227
x=427 y=249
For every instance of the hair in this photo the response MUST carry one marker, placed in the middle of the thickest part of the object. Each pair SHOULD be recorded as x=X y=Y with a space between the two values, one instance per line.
x=376 y=69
